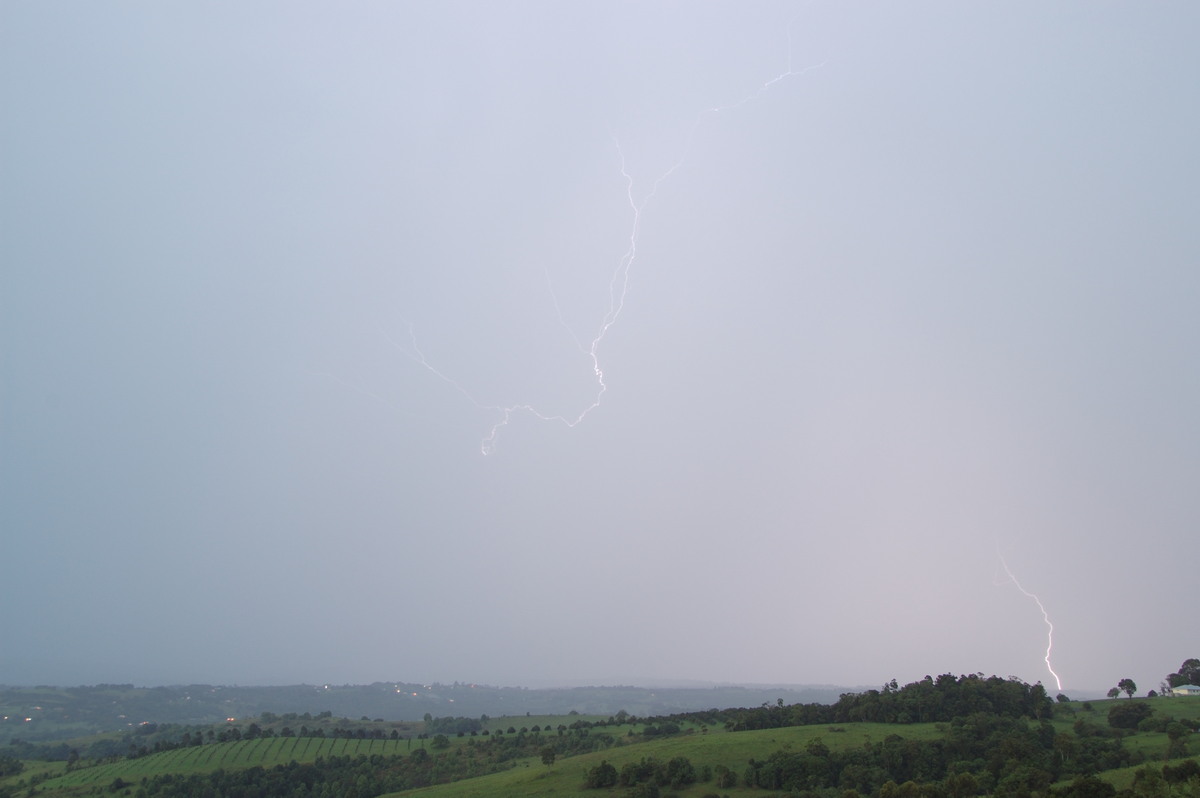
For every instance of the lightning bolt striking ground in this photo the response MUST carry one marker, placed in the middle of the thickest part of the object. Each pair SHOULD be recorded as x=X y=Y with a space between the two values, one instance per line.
x=1045 y=616
x=618 y=287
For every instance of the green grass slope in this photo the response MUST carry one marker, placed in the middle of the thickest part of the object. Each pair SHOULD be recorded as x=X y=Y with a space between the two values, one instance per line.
x=707 y=748
x=732 y=749
x=264 y=752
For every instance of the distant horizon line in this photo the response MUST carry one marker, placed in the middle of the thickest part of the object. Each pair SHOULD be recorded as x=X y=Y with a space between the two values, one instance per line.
x=638 y=684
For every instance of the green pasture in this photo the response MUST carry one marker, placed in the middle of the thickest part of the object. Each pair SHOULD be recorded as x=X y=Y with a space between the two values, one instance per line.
x=1122 y=778
x=733 y=750
x=1181 y=707
x=265 y=752
x=704 y=747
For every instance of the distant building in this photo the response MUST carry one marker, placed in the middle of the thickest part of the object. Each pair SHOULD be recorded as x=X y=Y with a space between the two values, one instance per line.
x=1185 y=689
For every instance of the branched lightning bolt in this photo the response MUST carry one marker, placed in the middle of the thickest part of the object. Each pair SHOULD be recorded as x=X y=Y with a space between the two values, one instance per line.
x=1045 y=616
x=618 y=287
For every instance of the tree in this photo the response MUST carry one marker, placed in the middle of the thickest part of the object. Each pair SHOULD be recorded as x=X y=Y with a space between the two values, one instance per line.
x=680 y=772
x=1177 y=733
x=1089 y=787
x=1128 y=716
x=962 y=785
x=1188 y=673
x=601 y=776
x=1113 y=692
x=548 y=755
x=1127 y=686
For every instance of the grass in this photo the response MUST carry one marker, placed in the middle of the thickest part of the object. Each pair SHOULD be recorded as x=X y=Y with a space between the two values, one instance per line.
x=530 y=776
x=733 y=750
x=264 y=752
x=704 y=748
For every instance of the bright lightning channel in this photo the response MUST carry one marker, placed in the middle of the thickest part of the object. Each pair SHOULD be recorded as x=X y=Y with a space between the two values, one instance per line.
x=618 y=286
x=1045 y=616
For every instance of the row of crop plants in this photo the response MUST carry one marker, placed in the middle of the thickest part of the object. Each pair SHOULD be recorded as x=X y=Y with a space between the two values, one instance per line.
x=263 y=751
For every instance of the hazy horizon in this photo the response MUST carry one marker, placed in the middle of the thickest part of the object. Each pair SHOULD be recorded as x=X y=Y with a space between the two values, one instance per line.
x=886 y=300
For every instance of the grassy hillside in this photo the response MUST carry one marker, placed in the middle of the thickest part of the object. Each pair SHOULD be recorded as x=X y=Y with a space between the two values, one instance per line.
x=262 y=752
x=716 y=748
x=496 y=762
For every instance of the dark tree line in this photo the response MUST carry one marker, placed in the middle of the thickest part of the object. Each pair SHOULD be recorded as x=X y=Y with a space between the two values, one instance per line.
x=926 y=701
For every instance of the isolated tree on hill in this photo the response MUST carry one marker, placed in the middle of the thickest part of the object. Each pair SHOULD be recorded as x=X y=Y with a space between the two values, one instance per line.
x=1113 y=692
x=1127 y=686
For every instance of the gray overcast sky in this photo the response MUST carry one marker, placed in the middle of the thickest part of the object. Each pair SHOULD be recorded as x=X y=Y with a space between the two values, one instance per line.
x=928 y=302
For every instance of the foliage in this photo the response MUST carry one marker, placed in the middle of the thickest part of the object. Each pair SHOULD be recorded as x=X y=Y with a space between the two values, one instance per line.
x=919 y=702
x=1009 y=754
x=1188 y=673
x=457 y=725
x=1183 y=772
x=1088 y=786
x=601 y=776
x=1128 y=716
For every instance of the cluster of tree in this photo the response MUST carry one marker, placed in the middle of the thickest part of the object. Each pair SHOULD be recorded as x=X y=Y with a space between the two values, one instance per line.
x=1188 y=673
x=1142 y=717
x=253 y=731
x=456 y=725
x=982 y=752
x=925 y=701
x=665 y=729
x=549 y=744
x=150 y=738
x=928 y=700
x=335 y=777
x=1169 y=780
x=1126 y=686
x=648 y=775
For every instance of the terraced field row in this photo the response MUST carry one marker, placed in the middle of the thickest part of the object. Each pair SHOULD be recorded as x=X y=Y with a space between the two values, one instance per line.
x=266 y=752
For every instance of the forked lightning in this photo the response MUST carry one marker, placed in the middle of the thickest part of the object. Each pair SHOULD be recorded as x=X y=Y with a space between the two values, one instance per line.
x=1045 y=616
x=619 y=283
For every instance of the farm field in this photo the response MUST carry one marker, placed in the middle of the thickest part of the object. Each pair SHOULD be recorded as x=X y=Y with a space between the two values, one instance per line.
x=728 y=753
x=730 y=749
x=263 y=752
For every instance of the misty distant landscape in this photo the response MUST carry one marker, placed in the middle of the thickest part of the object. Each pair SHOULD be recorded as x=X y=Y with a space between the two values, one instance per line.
x=49 y=713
